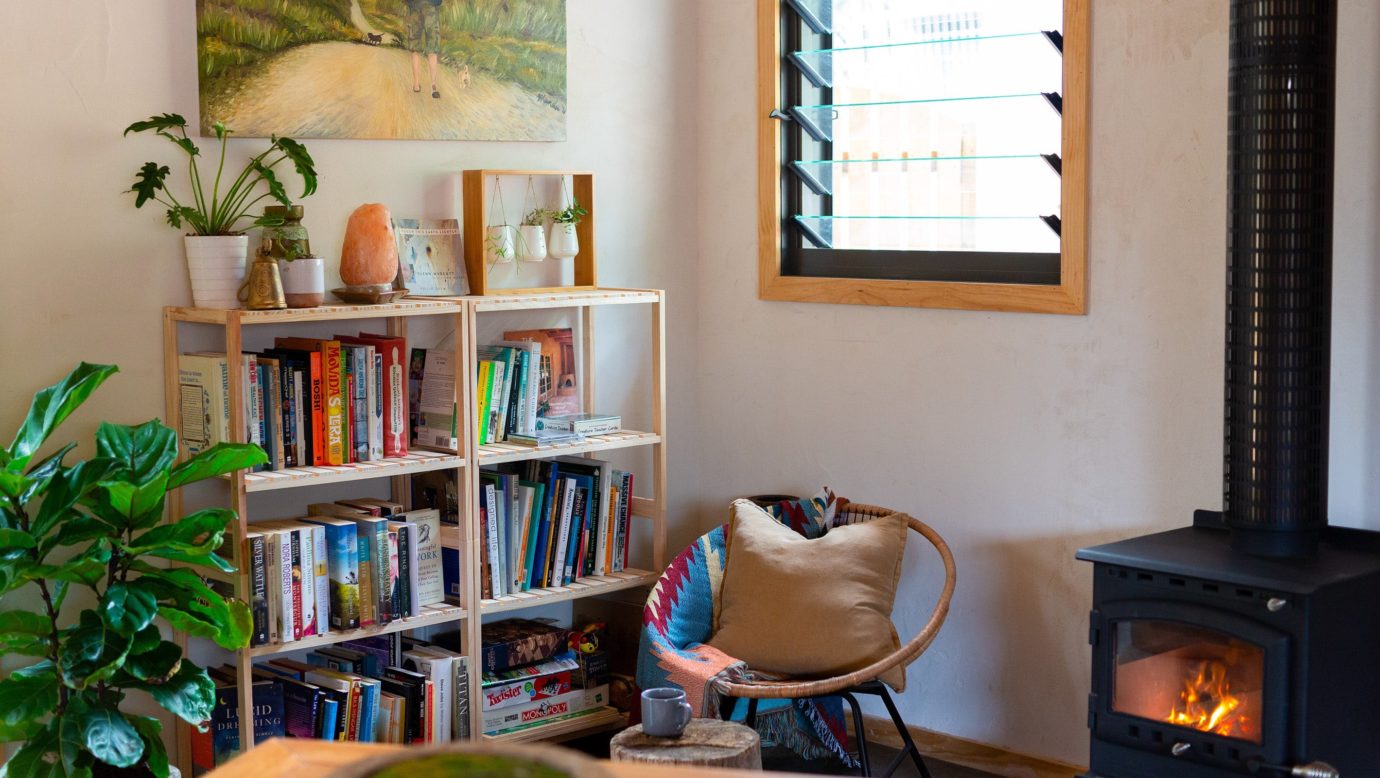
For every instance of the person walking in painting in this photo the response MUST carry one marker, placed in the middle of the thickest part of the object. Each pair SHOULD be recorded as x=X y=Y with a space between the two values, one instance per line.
x=424 y=37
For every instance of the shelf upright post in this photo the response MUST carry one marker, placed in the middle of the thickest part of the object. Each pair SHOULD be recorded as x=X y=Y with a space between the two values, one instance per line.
x=466 y=378
x=172 y=416
x=659 y=427
x=400 y=486
x=234 y=345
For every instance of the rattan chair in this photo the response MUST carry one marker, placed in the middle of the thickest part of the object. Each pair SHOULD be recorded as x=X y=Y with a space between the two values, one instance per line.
x=865 y=680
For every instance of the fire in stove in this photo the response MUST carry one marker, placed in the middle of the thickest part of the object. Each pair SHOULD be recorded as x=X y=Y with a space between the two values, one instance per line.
x=1207 y=704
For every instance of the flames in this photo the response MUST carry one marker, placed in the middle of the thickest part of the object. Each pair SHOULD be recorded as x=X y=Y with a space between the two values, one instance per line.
x=1207 y=704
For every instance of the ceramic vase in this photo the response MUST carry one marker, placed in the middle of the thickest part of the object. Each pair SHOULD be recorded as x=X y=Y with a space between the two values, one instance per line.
x=304 y=281
x=498 y=246
x=531 y=243
x=216 y=266
x=565 y=243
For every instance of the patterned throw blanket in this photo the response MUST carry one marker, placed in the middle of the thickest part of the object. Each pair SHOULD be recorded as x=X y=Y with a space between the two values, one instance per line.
x=680 y=616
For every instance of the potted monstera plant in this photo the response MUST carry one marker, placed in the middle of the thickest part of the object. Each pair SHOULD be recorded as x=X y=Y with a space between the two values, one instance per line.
x=97 y=525
x=216 y=246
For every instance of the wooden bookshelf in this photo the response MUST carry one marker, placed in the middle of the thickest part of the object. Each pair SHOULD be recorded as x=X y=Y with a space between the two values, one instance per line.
x=599 y=719
x=462 y=313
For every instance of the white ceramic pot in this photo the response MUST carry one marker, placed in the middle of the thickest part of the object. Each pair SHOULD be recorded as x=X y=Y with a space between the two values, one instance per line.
x=531 y=243
x=499 y=246
x=565 y=243
x=216 y=266
x=304 y=281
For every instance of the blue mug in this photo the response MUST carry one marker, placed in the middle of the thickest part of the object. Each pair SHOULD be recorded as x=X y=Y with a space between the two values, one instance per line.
x=665 y=713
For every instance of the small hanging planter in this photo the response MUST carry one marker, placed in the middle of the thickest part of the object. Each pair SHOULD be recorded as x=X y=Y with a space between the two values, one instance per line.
x=565 y=239
x=532 y=233
x=499 y=239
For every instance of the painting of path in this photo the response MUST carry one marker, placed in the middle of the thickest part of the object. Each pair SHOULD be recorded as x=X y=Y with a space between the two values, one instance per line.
x=385 y=69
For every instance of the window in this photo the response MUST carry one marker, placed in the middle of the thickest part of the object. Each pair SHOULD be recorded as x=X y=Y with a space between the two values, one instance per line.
x=924 y=154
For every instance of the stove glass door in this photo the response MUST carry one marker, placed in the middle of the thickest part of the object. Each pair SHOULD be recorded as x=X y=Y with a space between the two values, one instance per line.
x=1189 y=676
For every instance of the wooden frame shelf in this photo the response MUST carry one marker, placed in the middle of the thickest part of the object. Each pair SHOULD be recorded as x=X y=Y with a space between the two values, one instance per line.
x=431 y=615
x=468 y=611
x=494 y=453
x=415 y=461
x=590 y=586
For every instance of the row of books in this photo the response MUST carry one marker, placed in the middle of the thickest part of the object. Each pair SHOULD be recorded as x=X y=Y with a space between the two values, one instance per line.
x=547 y=522
x=528 y=375
x=387 y=689
x=307 y=401
x=346 y=565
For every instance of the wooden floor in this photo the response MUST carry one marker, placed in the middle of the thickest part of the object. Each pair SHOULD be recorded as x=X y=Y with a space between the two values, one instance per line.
x=782 y=760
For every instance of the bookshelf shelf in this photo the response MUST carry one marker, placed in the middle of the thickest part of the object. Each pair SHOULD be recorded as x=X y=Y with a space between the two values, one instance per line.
x=327 y=312
x=494 y=453
x=431 y=615
x=467 y=611
x=414 y=462
x=602 y=296
x=581 y=587
x=565 y=729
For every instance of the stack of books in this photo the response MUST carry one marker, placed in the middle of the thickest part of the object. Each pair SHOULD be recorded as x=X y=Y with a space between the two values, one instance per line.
x=387 y=689
x=307 y=401
x=350 y=564
x=547 y=522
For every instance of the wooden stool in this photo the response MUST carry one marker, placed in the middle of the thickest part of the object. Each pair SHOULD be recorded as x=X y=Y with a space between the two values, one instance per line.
x=705 y=742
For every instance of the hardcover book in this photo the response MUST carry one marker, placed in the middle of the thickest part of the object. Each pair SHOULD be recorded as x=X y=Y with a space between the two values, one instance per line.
x=558 y=387
x=513 y=642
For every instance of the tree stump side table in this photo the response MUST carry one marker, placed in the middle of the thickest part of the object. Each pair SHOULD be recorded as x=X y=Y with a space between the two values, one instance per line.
x=705 y=743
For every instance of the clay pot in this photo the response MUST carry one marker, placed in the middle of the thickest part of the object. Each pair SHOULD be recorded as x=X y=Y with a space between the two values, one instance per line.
x=369 y=256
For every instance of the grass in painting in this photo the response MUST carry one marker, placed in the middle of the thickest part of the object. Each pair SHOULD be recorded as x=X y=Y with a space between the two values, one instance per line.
x=522 y=41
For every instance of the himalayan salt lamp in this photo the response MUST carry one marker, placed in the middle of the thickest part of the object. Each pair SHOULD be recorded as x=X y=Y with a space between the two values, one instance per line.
x=369 y=256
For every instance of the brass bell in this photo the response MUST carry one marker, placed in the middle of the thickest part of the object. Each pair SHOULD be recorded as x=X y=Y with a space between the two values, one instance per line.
x=263 y=288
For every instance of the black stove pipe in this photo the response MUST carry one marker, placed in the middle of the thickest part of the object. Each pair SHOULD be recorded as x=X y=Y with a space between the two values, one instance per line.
x=1279 y=273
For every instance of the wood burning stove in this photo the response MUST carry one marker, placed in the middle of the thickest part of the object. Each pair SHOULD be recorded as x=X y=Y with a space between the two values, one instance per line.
x=1249 y=643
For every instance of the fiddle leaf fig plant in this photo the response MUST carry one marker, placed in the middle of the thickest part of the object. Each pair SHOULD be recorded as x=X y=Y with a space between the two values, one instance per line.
x=98 y=525
x=213 y=212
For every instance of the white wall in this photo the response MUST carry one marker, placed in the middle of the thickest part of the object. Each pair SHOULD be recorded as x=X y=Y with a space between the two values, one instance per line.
x=1024 y=437
x=86 y=275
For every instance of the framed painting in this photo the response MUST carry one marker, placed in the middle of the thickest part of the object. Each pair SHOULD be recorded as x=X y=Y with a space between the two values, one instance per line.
x=384 y=69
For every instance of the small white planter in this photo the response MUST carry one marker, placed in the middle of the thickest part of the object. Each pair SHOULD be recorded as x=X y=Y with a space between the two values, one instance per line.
x=216 y=267
x=565 y=243
x=304 y=281
x=498 y=246
x=531 y=243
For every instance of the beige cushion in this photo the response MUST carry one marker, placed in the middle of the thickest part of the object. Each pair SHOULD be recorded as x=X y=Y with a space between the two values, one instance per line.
x=817 y=608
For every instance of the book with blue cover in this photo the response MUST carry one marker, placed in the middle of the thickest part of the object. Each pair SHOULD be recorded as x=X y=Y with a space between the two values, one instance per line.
x=342 y=559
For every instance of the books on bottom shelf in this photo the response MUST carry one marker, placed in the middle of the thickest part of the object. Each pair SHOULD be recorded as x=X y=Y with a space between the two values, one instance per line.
x=383 y=689
x=347 y=565
x=307 y=401
x=547 y=522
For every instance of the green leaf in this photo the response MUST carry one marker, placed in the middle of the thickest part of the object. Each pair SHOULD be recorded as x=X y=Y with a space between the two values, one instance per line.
x=155 y=666
x=218 y=460
x=185 y=143
x=189 y=605
x=162 y=122
x=189 y=694
x=67 y=488
x=42 y=473
x=192 y=539
x=128 y=505
x=146 y=639
x=145 y=451
x=128 y=607
x=25 y=633
x=148 y=182
x=306 y=166
x=72 y=739
x=91 y=652
x=155 y=754
x=12 y=484
x=28 y=696
x=275 y=188
x=74 y=531
x=15 y=539
x=111 y=738
x=220 y=130
x=45 y=756
x=53 y=405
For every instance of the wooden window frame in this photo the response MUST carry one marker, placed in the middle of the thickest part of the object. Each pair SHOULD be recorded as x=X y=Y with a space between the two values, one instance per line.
x=1069 y=296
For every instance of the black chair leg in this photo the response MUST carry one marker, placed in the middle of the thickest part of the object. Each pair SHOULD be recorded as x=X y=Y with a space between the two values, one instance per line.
x=903 y=732
x=726 y=707
x=750 y=720
x=860 y=732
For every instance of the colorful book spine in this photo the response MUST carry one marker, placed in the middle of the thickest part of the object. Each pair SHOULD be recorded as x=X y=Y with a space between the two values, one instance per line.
x=288 y=606
x=258 y=587
x=368 y=582
x=491 y=539
x=430 y=579
x=334 y=403
x=624 y=522
x=375 y=405
x=494 y=417
x=293 y=581
x=303 y=537
x=342 y=555
x=483 y=387
x=319 y=433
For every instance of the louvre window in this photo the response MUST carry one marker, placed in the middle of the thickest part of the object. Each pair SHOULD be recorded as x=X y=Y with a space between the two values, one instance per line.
x=925 y=143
